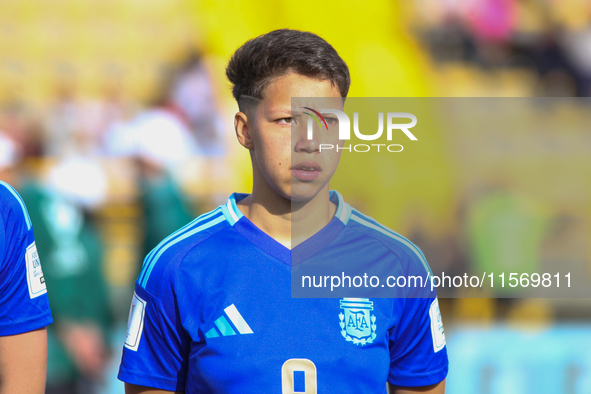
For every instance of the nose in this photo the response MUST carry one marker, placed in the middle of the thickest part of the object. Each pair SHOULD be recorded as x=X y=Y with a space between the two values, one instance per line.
x=306 y=138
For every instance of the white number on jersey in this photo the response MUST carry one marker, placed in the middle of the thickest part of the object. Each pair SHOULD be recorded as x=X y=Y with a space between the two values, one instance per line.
x=298 y=374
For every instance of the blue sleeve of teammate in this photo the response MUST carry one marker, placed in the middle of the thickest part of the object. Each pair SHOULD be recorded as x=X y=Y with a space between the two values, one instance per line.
x=418 y=356
x=24 y=305
x=156 y=347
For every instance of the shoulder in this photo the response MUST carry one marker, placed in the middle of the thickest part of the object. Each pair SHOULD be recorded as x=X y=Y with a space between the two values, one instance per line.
x=13 y=211
x=388 y=238
x=162 y=263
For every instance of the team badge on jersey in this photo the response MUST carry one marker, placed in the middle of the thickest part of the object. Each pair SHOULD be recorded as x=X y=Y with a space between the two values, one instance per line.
x=358 y=324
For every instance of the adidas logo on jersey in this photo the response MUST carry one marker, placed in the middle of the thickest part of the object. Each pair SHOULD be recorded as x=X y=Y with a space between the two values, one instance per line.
x=230 y=323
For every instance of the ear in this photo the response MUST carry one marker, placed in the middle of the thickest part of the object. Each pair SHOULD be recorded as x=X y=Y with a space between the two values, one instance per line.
x=242 y=130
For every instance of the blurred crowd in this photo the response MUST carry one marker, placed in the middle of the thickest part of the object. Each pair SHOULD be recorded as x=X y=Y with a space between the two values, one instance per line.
x=547 y=41
x=63 y=162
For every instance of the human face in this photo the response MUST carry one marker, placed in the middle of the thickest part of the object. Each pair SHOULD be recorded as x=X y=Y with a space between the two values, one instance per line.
x=283 y=157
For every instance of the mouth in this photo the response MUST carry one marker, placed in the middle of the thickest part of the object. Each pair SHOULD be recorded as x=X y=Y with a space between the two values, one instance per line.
x=306 y=170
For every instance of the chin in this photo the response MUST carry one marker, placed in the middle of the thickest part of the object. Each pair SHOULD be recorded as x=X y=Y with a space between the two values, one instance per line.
x=302 y=192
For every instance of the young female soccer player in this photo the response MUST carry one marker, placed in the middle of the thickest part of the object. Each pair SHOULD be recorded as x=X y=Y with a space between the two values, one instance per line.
x=212 y=310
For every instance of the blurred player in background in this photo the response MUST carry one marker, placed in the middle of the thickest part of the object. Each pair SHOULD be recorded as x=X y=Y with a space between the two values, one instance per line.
x=24 y=307
x=212 y=310
x=76 y=344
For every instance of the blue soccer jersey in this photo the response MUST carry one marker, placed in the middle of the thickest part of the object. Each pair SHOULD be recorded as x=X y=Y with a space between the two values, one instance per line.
x=23 y=296
x=213 y=313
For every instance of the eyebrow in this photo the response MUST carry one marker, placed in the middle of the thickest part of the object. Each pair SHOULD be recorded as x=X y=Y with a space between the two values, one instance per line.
x=281 y=110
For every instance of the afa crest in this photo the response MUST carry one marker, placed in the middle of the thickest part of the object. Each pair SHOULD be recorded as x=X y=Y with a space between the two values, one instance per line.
x=358 y=325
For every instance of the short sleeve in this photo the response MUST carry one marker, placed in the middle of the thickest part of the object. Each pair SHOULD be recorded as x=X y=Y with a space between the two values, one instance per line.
x=418 y=356
x=156 y=347
x=24 y=305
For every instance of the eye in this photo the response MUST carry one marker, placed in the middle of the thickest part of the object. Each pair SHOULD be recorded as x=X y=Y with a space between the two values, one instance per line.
x=330 y=120
x=289 y=120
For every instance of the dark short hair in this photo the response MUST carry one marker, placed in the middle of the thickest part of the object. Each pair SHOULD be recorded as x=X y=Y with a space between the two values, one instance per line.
x=256 y=63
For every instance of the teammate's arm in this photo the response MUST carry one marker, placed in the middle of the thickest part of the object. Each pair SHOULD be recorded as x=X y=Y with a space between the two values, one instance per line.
x=438 y=388
x=134 y=389
x=23 y=362
x=24 y=311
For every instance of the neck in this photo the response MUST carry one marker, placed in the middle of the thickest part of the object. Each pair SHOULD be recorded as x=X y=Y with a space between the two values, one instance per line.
x=288 y=222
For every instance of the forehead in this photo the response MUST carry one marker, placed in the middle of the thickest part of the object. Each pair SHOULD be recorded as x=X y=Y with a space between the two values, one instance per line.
x=279 y=92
